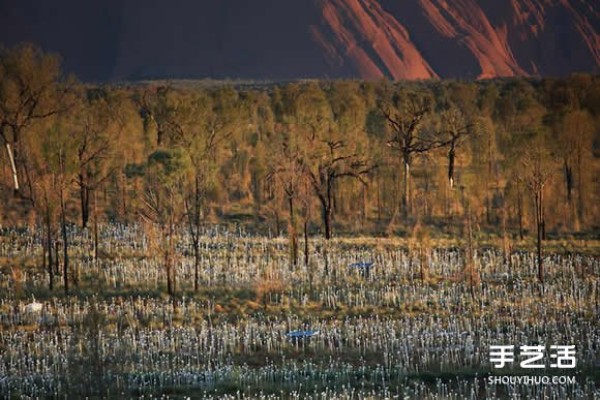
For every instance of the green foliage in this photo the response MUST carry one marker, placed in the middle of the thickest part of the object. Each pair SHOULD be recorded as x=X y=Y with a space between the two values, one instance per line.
x=168 y=165
x=135 y=170
x=59 y=147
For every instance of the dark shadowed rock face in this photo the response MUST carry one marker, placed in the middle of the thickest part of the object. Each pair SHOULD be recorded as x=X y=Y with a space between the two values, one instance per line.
x=275 y=39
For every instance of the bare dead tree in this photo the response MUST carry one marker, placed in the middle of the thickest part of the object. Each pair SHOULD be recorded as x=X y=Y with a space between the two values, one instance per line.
x=324 y=170
x=193 y=202
x=408 y=141
x=538 y=169
x=288 y=174
x=93 y=150
x=454 y=131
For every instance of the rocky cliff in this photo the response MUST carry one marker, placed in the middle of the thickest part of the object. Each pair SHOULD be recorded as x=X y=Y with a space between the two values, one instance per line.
x=459 y=38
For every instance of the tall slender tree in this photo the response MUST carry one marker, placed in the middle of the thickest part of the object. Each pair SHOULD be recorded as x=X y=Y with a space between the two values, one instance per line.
x=163 y=203
x=537 y=164
x=455 y=130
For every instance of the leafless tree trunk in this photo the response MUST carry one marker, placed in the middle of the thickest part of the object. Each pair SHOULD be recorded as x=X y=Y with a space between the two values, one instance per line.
x=48 y=249
x=539 y=215
x=580 y=192
x=506 y=243
x=538 y=166
x=65 y=240
x=95 y=212
x=194 y=216
x=520 y=210
x=84 y=198
x=306 y=242
x=171 y=279
x=406 y=198
x=13 y=167
x=471 y=270
x=292 y=232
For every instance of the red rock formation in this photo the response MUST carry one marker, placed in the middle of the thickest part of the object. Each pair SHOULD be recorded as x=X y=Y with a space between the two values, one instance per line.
x=529 y=14
x=372 y=39
x=585 y=28
x=465 y=21
x=516 y=38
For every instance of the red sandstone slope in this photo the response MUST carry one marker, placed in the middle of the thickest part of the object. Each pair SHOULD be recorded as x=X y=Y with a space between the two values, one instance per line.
x=465 y=21
x=502 y=38
x=363 y=32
